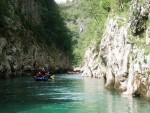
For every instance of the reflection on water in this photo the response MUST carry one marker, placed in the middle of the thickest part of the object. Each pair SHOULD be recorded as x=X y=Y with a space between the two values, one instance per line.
x=66 y=94
x=101 y=100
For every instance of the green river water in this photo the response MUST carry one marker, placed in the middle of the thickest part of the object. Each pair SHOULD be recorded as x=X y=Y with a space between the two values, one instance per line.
x=65 y=94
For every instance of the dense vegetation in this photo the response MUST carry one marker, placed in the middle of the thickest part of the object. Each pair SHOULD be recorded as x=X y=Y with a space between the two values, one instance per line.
x=53 y=27
x=86 y=19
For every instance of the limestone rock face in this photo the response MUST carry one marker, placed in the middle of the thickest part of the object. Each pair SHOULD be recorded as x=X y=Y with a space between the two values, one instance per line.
x=3 y=42
x=122 y=63
x=114 y=52
x=139 y=15
x=91 y=65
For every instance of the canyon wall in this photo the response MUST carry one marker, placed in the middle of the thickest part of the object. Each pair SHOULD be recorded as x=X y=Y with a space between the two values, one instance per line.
x=123 y=59
x=20 y=49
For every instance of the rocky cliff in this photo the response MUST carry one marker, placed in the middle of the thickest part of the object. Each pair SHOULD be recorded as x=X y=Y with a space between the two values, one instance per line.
x=20 y=48
x=123 y=59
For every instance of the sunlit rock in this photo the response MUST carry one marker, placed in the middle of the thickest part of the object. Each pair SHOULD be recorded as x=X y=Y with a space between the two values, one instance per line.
x=123 y=64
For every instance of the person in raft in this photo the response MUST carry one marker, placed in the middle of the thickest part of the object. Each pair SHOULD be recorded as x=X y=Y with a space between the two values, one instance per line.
x=39 y=74
x=47 y=74
x=43 y=72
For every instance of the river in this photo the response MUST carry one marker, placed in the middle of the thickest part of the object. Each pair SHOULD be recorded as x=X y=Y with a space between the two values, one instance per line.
x=65 y=94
